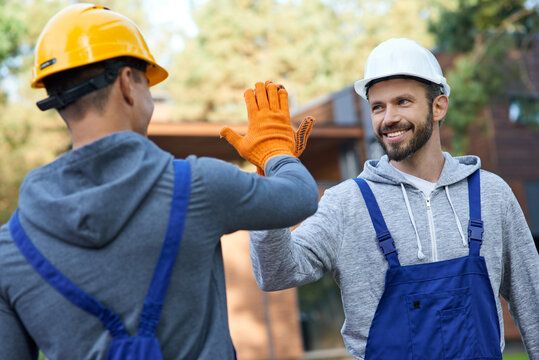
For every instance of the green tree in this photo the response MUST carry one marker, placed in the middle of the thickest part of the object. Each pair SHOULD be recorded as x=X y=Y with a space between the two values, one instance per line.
x=11 y=32
x=481 y=34
x=27 y=138
x=313 y=47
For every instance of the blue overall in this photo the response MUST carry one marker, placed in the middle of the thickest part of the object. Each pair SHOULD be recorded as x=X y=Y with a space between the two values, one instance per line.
x=144 y=345
x=442 y=310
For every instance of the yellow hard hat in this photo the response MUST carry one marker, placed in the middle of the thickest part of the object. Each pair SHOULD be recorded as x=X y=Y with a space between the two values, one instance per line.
x=83 y=34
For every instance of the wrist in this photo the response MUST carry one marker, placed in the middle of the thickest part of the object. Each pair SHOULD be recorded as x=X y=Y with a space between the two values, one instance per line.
x=274 y=153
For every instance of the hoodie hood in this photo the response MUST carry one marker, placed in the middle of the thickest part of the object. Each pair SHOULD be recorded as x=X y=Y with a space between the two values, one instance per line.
x=455 y=169
x=87 y=195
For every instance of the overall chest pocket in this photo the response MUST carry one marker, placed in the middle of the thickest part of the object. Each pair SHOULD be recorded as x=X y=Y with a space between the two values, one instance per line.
x=441 y=325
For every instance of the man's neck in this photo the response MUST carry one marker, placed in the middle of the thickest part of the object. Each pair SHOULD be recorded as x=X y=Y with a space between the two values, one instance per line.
x=118 y=115
x=426 y=164
x=87 y=130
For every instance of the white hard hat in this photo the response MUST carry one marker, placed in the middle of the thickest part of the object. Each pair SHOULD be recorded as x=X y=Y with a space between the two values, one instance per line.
x=398 y=57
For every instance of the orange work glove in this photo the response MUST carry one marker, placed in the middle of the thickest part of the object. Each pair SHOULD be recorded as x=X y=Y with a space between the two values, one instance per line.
x=300 y=138
x=269 y=132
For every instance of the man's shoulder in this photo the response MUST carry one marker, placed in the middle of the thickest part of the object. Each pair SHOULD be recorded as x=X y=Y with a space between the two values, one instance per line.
x=342 y=188
x=344 y=191
x=492 y=181
x=208 y=168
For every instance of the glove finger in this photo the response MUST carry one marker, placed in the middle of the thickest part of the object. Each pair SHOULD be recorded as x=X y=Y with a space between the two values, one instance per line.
x=302 y=135
x=260 y=171
x=283 y=98
x=273 y=97
x=231 y=136
x=250 y=102
x=261 y=96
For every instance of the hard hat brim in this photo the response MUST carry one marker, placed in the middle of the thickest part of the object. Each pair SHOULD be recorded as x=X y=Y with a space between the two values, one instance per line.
x=360 y=86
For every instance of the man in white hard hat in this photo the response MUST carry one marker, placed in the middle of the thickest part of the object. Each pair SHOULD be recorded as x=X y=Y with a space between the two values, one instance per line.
x=421 y=244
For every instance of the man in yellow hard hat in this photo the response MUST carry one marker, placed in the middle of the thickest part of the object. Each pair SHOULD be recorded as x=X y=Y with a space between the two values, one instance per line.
x=91 y=264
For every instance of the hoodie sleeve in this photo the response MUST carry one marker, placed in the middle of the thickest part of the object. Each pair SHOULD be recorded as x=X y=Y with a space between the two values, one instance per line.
x=15 y=343
x=282 y=259
x=246 y=201
x=520 y=283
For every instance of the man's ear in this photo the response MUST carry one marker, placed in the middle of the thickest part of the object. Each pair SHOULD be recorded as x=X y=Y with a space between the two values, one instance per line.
x=125 y=77
x=439 y=107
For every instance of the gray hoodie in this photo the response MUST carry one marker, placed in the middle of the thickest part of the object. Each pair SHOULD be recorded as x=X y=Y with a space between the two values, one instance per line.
x=99 y=214
x=340 y=238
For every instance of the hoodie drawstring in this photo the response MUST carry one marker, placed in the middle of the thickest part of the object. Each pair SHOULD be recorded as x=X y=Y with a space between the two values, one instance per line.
x=420 y=254
x=464 y=242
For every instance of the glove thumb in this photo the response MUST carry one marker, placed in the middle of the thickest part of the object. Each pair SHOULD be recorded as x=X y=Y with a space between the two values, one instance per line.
x=231 y=136
x=302 y=134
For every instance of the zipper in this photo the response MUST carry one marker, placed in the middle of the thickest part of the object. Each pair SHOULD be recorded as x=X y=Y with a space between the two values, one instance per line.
x=432 y=232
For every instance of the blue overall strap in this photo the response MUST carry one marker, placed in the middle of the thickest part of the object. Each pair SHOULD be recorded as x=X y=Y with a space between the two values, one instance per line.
x=382 y=233
x=163 y=269
x=475 y=224
x=61 y=283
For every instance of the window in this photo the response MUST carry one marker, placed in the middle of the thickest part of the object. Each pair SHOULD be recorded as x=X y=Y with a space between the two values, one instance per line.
x=321 y=315
x=524 y=109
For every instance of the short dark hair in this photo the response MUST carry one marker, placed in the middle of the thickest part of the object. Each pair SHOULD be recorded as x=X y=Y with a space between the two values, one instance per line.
x=65 y=80
x=433 y=91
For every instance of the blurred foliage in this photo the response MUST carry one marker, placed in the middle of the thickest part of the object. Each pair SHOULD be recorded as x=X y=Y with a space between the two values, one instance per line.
x=133 y=9
x=312 y=47
x=472 y=18
x=12 y=29
x=28 y=138
x=522 y=356
x=481 y=34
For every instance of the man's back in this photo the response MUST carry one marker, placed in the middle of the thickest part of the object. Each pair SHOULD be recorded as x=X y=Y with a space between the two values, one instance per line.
x=115 y=194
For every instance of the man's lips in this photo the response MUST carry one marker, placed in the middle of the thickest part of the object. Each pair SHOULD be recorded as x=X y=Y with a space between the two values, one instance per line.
x=395 y=135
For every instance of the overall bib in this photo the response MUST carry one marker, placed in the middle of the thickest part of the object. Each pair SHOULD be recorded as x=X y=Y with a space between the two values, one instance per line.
x=435 y=311
x=145 y=344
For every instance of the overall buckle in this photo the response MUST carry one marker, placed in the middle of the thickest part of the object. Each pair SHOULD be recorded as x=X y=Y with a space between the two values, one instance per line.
x=386 y=243
x=475 y=230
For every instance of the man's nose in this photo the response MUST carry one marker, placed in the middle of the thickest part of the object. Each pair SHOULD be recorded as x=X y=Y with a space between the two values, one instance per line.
x=391 y=116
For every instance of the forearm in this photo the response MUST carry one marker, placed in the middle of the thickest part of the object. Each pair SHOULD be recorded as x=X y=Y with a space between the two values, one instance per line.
x=284 y=198
x=290 y=191
x=283 y=259
x=238 y=200
x=279 y=263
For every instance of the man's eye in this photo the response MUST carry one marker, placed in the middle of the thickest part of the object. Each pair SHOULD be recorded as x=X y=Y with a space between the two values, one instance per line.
x=375 y=108
x=403 y=102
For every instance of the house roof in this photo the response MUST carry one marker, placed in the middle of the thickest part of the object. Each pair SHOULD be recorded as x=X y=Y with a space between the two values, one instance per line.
x=202 y=139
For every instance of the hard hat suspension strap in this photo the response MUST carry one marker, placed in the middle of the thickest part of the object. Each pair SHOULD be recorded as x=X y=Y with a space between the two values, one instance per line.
x=62 y=99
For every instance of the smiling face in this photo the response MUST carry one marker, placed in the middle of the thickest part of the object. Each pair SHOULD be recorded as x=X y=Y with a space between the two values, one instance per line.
x=401 y=115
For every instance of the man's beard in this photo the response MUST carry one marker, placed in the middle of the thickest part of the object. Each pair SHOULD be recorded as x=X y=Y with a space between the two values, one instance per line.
x=399 y=152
